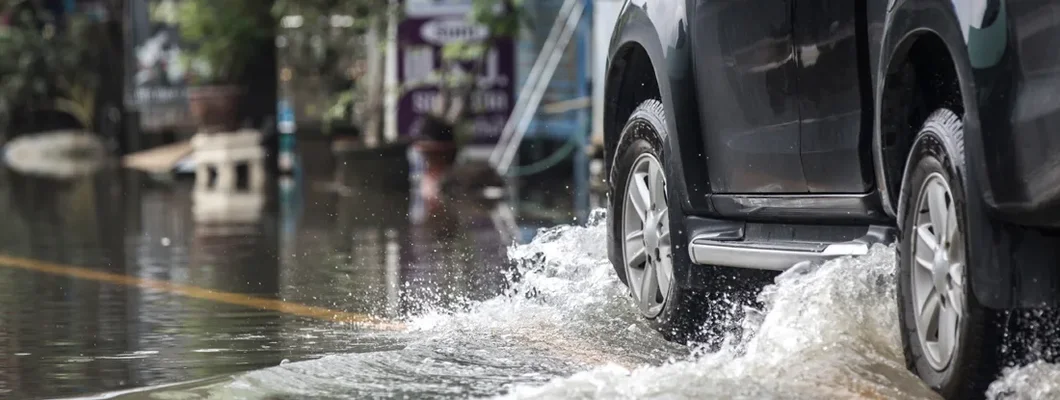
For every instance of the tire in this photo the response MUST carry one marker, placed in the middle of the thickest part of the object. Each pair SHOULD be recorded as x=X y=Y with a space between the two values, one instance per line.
x=936 y=165
x=689 y=311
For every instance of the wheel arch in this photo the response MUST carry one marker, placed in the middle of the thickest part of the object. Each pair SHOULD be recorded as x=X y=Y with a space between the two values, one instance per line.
x=920 y=78
x=630 y=81
x=919 y=33
x=650 y=58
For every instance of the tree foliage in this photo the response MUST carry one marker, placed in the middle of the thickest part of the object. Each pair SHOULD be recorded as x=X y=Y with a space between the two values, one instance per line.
x=225 y=35
x=49 y=64
x=502 y=18
x=462 y=61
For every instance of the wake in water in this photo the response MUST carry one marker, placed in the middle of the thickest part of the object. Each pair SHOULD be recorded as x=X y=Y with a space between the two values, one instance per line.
x=565 y=312
x=826 y=331
x=565 y=329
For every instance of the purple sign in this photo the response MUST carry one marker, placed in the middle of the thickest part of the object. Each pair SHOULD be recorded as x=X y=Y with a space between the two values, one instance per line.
x=420 y=42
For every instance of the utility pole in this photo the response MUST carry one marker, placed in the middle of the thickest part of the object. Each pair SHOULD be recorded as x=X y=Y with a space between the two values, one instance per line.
x=375 y=74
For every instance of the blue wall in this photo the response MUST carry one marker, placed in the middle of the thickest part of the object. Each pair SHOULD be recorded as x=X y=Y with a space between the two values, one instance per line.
x=571 y=78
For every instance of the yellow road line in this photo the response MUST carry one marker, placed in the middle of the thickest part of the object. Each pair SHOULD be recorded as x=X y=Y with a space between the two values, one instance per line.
x=196 y=292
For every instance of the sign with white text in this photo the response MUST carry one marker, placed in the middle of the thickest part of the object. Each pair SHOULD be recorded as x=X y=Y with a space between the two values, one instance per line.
x=420 y=42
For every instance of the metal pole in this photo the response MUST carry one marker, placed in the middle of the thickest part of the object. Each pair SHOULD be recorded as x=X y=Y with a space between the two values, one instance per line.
x=584 y=80
x=536 y=84
x=522 y=120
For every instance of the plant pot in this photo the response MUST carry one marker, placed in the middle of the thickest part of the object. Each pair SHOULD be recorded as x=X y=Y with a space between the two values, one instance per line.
x=215 y=108
x=345 y=138
x=438 y=158
x=438 y=155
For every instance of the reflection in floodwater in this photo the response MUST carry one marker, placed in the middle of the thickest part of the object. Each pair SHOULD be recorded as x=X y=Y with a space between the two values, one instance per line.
x=57 y=154
x=564 y=329
x=545 y=319
x=326 y=238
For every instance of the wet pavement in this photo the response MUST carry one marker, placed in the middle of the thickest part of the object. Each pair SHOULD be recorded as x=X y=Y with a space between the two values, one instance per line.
x=117 y=285
x=265 y=287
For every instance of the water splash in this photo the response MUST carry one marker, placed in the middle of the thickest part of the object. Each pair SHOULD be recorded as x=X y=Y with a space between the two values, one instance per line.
x=564 y=312
x=826 y=331
x=565 y=328
x=1037 y=380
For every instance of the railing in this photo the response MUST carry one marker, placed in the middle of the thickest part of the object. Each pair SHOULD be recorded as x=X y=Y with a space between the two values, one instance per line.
x=559 y=37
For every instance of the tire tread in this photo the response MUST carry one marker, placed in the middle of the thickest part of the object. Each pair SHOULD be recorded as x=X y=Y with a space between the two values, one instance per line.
x=980 y=362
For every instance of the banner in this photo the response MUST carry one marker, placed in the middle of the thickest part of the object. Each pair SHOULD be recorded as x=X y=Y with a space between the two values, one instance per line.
x=429 y=25
x=157 y=79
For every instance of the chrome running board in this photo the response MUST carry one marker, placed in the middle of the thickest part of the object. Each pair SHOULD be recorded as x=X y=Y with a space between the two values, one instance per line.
x=779 y=256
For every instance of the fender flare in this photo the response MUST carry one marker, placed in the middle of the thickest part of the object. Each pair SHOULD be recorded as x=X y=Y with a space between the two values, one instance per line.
x=663 y=35
x=991 y=280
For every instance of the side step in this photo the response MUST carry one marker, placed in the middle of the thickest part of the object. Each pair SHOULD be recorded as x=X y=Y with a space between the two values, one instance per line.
x=779 y=256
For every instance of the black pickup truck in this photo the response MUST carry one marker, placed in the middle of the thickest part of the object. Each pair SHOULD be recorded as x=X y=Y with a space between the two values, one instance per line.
x=743 y=137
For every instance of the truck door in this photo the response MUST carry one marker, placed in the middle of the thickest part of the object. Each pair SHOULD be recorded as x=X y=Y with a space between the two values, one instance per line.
x=746 y=81
x=836 y=132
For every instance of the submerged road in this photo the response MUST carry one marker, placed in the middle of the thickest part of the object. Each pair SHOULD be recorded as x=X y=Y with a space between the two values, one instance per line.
x=116 y=281
x=331 y=286
x=197 y=293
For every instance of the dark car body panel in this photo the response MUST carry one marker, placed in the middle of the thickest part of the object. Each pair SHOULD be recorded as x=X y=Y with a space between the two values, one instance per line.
x=748 y=108
x=1011 y=162
x=779 y=121
x=1016 y=66
x=835 y=95
x=1009 y=69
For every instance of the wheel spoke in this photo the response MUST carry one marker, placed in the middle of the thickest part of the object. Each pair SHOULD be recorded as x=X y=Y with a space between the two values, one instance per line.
x=947 y=332
x=923 y=282
x=635 y=248
x=957 y=273
x=937 y=209
x=957 y=292
x=956 y=301
x=649 y=287
x=923 y=263
x=923 y=255
x=658 y=189
x=661 y=211
x=664 y=274
x=665 y=254
x=637 y=255
x=635 y=236
x=929 y=309
x=640 y=196
x=927 y=241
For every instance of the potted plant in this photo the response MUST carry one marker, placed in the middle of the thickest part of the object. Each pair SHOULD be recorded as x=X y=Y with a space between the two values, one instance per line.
x=445 y=128
x=224 y=36
x=51 y=83
x=326 y=45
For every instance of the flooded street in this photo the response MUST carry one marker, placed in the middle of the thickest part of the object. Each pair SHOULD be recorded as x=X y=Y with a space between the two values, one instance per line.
x=118 y=286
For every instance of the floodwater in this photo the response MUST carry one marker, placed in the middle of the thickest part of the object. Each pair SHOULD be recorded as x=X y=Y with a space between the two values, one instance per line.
x=435 y=301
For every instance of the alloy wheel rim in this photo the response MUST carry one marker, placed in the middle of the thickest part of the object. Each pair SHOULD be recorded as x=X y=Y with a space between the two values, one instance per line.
x=938 y=274
x=646 y=249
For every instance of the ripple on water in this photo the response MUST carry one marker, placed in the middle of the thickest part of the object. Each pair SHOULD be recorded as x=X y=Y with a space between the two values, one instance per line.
x=565 y=329
x=565 y=313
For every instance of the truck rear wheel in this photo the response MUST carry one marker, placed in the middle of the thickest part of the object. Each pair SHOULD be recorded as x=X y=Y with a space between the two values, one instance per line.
x=950 y=341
